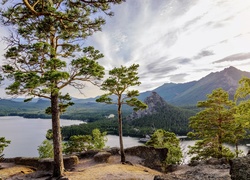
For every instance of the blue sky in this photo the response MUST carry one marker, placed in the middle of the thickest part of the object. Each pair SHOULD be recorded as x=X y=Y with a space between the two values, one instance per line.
x=174 y=40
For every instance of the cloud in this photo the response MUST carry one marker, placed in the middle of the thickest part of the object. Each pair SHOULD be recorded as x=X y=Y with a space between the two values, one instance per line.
x=203 y=53
x=235 y=57
x=174 y=40
x=178 y=77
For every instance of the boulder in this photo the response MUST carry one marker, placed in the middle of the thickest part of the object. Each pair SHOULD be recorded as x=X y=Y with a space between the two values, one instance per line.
x=152 y=157
x=113 y=150
x=102 y=156
x=88 y=154
x=46 y=164
x=70 y=162
x=240 y=168
x=26 y=161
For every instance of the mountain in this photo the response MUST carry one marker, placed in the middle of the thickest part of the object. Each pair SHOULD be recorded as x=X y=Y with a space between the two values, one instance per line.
x=182 y=94
x=154 y=102
x=192 y=92
x=160 y=114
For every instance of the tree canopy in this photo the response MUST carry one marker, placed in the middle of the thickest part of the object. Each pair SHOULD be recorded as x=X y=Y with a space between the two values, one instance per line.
x=45 y=53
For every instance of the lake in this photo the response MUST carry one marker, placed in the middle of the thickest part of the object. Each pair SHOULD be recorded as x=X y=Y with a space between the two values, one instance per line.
x=27 y=134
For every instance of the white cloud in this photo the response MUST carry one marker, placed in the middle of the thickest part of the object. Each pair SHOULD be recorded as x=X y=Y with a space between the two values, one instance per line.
x=174 y=40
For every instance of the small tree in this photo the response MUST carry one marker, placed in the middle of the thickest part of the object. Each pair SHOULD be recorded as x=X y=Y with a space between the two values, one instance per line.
x=118 y=84
x=81 y=143
x=162 y=138
x=45 y=150
x=3 y=143
x=213 y=125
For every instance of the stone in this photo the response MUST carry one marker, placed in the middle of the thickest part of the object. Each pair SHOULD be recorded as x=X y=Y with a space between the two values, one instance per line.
x=194 y=163
x=215 y=161
x=114 y=150
x=240 y=168
x=152 y=157
x=157 y=177
x=45 y=164
x=102 y=156
x=88 y=154
x=70 y=162
x=26 y=161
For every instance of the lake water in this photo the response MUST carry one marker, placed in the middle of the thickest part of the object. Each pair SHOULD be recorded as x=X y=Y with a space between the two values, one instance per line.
x=27 y=134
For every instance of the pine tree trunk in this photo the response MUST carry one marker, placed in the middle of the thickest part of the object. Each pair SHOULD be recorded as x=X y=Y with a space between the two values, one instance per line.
x=236 y=150
x=57 y=141
x=120 y=132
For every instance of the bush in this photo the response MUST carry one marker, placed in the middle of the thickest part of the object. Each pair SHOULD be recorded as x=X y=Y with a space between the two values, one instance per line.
x=45 y=150
x=79 y=143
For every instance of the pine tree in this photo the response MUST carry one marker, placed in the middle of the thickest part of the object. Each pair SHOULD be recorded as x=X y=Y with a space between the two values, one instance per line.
x=118 y=84
x=213 y=125
x=44 y=35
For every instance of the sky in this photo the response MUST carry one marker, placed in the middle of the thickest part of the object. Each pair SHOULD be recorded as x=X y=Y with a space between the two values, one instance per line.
x=173 y=40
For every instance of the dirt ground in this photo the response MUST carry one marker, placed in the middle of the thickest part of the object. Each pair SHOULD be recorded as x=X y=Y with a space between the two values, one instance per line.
x=88 y=169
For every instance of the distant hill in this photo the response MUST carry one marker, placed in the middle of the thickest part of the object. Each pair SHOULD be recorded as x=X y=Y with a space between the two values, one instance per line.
x=160 y=114
x=182 y=94
x=192 y=92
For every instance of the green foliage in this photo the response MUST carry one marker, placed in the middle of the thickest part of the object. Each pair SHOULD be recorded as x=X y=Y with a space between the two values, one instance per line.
x=242 y=112
x=45 y=34
x=118 y=84
x=213 y=125
x=98 y=139
x=49 y=134
x=205 y=149
x=164 y=139
x=3 y=143
x=243 y=101
x=45 y=150
x=79 y=143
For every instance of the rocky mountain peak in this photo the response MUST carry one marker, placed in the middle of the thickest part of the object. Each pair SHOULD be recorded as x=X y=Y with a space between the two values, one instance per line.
x=154 y=102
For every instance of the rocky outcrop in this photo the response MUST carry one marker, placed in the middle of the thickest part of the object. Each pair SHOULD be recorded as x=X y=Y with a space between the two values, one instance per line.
x=240 y=168
x=152 y=157
x=34 y=162
x=154 y=102
x=45 y=164
x=102 y=156
x=212 y=169
x=88 y=154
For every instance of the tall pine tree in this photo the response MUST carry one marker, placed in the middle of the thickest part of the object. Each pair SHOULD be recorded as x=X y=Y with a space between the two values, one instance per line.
x=213 y=125
x=119 y=84
x=45 y=34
